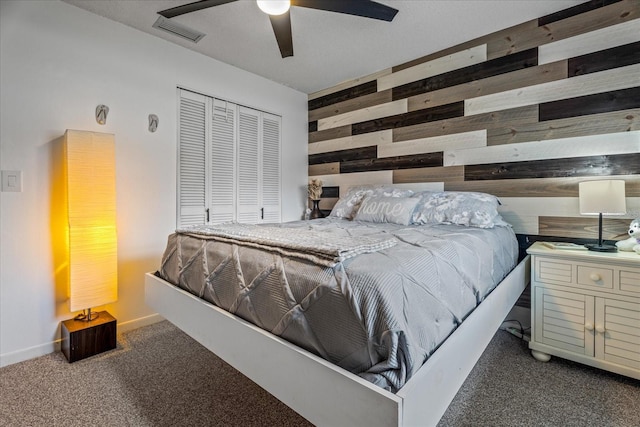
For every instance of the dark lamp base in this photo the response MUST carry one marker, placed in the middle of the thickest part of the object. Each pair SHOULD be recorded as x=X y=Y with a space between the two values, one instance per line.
x=602 y=248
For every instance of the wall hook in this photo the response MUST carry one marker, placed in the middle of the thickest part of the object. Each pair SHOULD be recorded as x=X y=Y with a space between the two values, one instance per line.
x=153 y=122
x=101 y=114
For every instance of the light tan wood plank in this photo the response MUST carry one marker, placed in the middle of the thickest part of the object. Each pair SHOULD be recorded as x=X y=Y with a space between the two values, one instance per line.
x=434 y=144
x=555 y=206
x=324 y=169
x=486 y=39
x=594 y=41
x=592 y=145
x=353 y=104
x=522 y=224
x=349 y=83
x=604 y=81
x=503 y=82
x=539 y=187
x=347 y=180
x=593 y=124
x=364 y=114
x=514 y=116
x=454 y=61
x=356 y=141
x=438 y=174
x=522 y=38
x=326 y=203
x=581 y=227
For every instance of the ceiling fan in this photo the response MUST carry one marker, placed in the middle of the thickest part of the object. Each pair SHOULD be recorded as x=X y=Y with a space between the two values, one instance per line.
x=278 y=11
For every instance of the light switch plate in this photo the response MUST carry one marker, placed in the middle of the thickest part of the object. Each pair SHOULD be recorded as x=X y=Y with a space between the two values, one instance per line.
x=12 y=181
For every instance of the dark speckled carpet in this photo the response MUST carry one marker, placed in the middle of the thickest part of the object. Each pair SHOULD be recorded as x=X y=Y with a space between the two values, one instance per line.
x=158 y=376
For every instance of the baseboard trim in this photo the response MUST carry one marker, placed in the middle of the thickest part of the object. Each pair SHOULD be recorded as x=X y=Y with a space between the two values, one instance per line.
x=18 y=356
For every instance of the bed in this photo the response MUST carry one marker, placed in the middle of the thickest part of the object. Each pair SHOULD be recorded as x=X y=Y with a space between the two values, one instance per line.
x=374 y=316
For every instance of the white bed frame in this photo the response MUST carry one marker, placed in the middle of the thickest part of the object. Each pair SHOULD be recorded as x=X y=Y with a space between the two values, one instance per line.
x=323 y=393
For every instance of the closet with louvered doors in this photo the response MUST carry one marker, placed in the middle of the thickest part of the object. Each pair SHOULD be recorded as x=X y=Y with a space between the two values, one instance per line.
x=229 y=162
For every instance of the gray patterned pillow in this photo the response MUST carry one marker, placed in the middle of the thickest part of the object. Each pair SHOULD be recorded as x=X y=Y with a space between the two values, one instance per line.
x=348 y=205
x=462 y=208
x=397 y=210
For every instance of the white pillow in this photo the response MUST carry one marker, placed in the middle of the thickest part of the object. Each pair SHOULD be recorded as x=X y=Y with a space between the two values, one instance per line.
x=347 y=206
x=458 y=207
x=397 y=210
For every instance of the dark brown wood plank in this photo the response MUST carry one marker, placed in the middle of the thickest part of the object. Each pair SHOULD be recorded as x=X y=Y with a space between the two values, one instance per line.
x=483 y=70
x=344 y=155
x=607 y=59
x=349 y=105
x=330 y=192
x=621 y=164
x=573 y=11
x=333 y=133
x=392 y=163
x=343 y=95
x=441 y=112
x=623 y=99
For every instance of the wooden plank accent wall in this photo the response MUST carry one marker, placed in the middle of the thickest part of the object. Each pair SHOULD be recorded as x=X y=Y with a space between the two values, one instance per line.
x=525 y=113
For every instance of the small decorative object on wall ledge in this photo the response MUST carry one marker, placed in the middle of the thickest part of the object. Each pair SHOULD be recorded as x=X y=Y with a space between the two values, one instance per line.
x=315 y=191
x=153 y=123
x=602 y=197
x=101 y=114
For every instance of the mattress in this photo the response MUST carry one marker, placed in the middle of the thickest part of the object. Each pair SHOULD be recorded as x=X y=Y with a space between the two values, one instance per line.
x=379 y=314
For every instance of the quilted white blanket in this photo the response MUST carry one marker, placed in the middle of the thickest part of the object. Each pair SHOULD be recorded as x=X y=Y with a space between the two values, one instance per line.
x=325 y=249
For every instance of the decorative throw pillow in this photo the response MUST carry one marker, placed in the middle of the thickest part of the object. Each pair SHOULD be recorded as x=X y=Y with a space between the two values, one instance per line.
x=397 y=210
x=348 y=205
x=462 y=208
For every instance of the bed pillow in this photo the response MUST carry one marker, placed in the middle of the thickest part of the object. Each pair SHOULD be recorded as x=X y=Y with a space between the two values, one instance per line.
x=456 y=207
x=397 y=210
x=348 y=206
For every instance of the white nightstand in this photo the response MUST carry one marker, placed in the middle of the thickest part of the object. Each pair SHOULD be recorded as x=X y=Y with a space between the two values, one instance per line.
x=585 y=306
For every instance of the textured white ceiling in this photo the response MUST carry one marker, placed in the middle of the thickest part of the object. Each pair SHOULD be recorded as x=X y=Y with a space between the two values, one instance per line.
x=329 y=48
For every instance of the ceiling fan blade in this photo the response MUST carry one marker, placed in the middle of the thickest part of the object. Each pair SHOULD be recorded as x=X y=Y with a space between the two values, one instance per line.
x=364 y=8
x=192 y=7
x=282 y=29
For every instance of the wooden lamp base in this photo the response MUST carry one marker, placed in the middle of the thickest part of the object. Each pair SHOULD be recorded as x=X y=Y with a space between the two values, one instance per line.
x=82 y=339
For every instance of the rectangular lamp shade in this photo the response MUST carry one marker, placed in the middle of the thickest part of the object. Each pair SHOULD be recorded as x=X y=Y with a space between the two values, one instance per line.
x=91 y=208
x=602 y=197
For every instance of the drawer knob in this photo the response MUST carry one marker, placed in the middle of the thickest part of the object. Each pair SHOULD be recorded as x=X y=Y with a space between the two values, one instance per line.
x=595 y=277
x=588 y=326
x=600 y=329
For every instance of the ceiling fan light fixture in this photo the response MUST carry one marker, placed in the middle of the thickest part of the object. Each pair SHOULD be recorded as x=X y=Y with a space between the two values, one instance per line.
x=274 y=7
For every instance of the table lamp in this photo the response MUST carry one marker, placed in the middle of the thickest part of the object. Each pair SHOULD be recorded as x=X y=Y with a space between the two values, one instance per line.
x=604 y=197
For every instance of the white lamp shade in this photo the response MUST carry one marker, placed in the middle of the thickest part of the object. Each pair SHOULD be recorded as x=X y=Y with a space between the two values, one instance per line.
x=91 y=202
x=274 y=7
x=602 y=197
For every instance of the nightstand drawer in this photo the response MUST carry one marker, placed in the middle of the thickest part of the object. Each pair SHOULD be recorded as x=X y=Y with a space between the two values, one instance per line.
x=595 y=275
x=553 y=271
x=630 y=281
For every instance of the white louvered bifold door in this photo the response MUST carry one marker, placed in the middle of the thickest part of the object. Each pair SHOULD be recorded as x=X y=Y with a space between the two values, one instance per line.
x=192 y=131
x=248 y=205
x=223 y=165
x=271 y=196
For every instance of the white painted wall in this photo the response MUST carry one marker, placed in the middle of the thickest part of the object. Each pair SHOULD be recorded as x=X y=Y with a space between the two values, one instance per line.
x=57 y=63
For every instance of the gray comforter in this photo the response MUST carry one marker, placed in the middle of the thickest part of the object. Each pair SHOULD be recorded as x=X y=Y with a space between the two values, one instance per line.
x=378 y=314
